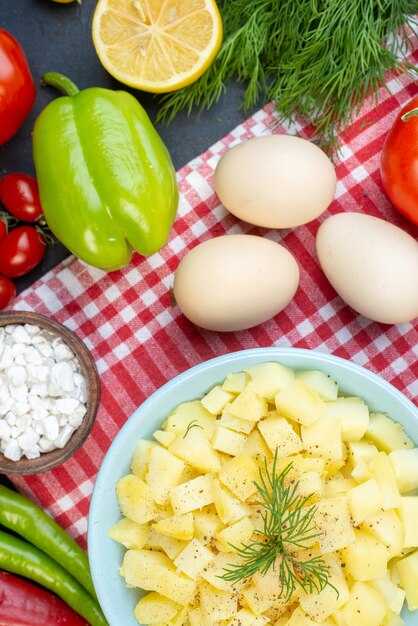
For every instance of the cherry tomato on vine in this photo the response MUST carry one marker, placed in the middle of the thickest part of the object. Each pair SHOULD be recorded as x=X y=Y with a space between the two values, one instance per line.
x=7 y=291
x=20 y=195
x=21 y=250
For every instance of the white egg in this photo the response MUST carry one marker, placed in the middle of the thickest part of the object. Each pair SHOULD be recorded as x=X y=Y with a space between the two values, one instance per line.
x=235 y=282
x=276 y=181
x=372 y=264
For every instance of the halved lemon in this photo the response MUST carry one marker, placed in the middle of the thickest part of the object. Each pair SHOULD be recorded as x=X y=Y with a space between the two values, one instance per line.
x=156 y=45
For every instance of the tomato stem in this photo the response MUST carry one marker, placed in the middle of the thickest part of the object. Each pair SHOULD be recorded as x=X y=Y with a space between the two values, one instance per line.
x=412 y=113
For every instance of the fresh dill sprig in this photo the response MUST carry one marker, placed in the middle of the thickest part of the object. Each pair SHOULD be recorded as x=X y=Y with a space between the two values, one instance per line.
x=317 y=60
x=288 y=524
x=190 y=425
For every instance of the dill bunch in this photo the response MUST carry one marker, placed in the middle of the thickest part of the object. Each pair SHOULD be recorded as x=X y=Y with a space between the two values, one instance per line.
x=317 y=60
x=288 y=524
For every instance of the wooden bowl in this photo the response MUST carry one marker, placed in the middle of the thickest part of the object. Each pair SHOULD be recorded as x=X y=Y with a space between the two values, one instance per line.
x=48 y=460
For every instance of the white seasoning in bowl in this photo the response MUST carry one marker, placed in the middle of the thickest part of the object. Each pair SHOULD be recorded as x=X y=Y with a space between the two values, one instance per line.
x=42 y=392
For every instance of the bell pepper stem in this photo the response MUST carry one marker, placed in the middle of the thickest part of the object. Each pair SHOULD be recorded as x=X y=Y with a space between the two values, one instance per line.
x=61 y=82
x=412 y=113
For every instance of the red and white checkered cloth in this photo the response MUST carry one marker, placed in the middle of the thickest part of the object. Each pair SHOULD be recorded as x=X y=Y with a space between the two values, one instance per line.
x=140 y=340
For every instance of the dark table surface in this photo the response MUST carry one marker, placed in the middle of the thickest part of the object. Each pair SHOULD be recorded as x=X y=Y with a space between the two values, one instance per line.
x=57 y=37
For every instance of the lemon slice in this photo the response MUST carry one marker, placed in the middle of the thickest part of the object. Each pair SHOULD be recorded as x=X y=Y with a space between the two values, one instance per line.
x=156 y=45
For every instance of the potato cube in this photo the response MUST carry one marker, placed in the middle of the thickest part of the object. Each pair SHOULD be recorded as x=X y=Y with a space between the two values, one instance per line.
x=244 y=617
x=129 y=533
x=270 y=378
x=323 y=439
x=238 y=475
x=280 y=436
x=366 y=558
x=387 y=434
x=364 y=450
x=248 y=405
x=300 y=618
x=164 y=437
x=393 y=595
x=235 y=423
x=196 y=450
x=408 y=574
x=228 y=441
x=177 y=526
x=154 y=608
x=385 y=477
x=298 y=402
x=353 y=415
x=206 y=525
x=171 y=546
x=408 y=514
x=338 y=486
x=319 y=606
x=139 y=463
x=388 y=529
x=323 y=384
x=153 y=571
x=192 y=495
x=194 y=558
x=405 y=465
x=268 y=584
x=364 y=500
x=235 y=382
x=164 y=471
x=217 y=603
x=332 y=519
x=391 y=619
x=256 y=448
x=235 y=536
x=256 y=601
x=178 y=421
x=216 y=399
x=365 y=607
x=134 y=499
x=361 y=472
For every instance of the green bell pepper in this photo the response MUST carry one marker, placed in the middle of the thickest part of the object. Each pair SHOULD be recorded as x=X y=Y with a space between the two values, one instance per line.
x=106 y=180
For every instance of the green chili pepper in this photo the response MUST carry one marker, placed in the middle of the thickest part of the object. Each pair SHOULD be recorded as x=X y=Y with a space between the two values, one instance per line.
x=107 y=183
x=27 y=519
x=20 y=557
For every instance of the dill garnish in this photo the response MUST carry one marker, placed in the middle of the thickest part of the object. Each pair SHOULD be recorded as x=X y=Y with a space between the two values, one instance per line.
x=288 y=524
x=317 y=60
x=190 y=425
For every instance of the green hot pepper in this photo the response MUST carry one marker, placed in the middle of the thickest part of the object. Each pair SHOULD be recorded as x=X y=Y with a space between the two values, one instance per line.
x=20 y=557
x=107 y=183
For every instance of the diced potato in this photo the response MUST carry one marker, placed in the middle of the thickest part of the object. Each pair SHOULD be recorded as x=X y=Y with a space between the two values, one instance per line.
x=129 y=533
x=385 y=477
x=408 y=514
x=391 y=619
x=408 y=575
x=235 y=423
x=366 y=558
x=192 y=495
x=238 y=475
x=139 y=463
x=190 y=412
x=310 y=484
x=387 y=434
x=248 y=405
x=300 y=618
x=319 y=606
x=164 y=472
x=280 y=436
x=216 y=399
x=270 y=378
x=235 y=536
x=299 y=403
x=217 y=568
x=244 y=617
x=256 y=448
x=323 y=384
x=332 y=519
x=338 y=486
x=171 y=546
x=364 y=450
x=268 y=584
x=196 y=450
x=217 y=603
x=393 y=595
x=134 y=499
x=405 y=465
x=323 y=439
x=194 y=558
x=153 y=571
x=153 y=608
x=353 y=415
x=228 y=441
x=177 y=526
x=365 y=607
x=361 y=472
x=388 y=529
x=235 y=382
x=256 y=601
x=206 y=525
x=228 y=507
x=364 y=500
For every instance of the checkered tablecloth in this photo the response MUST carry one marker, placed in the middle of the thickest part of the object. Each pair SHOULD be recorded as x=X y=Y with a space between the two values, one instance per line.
x=140 y=340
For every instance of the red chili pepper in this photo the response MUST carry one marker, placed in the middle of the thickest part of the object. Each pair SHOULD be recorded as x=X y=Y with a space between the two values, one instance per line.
x=23 y=603
x=17 y=89
x=20 y=195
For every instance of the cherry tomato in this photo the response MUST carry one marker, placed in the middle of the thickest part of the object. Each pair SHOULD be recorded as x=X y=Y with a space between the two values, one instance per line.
x=3 y=230
x=7 y=291
x=20 y=195
x=20 y=251
x=399 y=162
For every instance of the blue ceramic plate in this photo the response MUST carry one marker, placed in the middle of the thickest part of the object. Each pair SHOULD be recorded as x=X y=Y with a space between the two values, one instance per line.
x=106 y=555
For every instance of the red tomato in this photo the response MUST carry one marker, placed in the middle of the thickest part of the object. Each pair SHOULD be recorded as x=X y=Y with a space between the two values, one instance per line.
x=399 y=163
x=3 y=230
x=21 y=250
x=20 y=195
x=7 y=291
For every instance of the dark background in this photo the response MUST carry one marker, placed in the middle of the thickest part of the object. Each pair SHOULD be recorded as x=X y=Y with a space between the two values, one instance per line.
x=57 y=37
